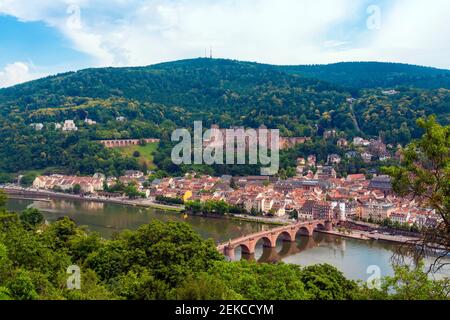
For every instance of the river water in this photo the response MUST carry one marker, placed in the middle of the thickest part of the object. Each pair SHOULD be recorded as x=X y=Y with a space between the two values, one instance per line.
x=357 y=259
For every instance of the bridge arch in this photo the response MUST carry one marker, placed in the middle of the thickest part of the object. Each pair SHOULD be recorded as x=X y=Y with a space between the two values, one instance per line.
x=245 y=249
x=285 y=236
x=303 y=231
x=320 y=226
x=267 y=242
x=230 y=252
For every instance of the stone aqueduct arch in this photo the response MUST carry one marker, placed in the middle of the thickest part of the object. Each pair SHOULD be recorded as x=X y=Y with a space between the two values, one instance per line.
x=270 y=237
x=125 y=142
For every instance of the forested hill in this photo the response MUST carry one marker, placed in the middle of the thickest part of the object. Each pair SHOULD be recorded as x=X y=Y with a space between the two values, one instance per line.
x=229 y=92
x=187 y=83
x=375 y=75
x=155 y=82
x=159 y=98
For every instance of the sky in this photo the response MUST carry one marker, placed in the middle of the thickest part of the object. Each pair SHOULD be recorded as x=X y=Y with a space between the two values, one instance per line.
x=40 y=38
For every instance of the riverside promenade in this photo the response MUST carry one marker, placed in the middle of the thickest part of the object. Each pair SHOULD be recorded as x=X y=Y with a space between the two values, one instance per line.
x=45 y=195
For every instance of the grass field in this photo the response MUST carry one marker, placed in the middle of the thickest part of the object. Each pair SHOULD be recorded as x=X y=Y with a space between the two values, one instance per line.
x=146 y=153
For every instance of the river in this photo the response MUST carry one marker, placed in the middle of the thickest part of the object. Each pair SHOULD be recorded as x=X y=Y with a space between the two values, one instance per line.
x=357 y=259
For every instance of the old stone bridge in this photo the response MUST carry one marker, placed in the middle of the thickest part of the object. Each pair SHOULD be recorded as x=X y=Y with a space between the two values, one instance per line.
x=270 y=237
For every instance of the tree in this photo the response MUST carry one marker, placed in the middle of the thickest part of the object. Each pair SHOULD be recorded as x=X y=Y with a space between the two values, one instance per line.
x=424 y=174
x=193 y=206
x=294 y=214
x=204 y=287
x=91 y=288
x=169 y=200
x=233 y=184
x=409 y=284
x=3 y=198
x=109 y=261
x=171 y=250
x=61 y=232
x=76 y=189
x=144 y=168
x=140 y=285
x=132 y=192
x=136 y=154
x=81 y=246
x=325 y=282
x=254 y=281
x=169 y=260
x=21 y=287
x=6 y=178
x=27 y=179
x=5 y=294
x=31 y=218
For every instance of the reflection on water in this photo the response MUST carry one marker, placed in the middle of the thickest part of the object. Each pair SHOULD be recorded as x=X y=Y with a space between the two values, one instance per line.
x=351 y=256
x=108 y=218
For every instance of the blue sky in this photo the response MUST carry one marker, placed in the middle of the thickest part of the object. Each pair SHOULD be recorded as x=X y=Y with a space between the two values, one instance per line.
x=34 y=42
x=38 y=38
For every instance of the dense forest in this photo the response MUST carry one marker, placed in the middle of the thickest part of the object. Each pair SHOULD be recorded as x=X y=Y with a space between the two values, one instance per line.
x=167 y=261
x=157 y=99
x=366 y=75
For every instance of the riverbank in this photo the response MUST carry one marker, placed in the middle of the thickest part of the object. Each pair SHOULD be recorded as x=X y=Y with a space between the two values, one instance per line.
x=244 y=218
x=367 y=236
x=45 y=195
x=33 y=194
x=269 y=221
x=18 y=197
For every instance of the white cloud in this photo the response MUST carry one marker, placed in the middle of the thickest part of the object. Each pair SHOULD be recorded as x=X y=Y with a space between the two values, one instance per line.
x=143 y=32
x=412 y=31
x=15 y=73
x=417 y=31
x=140 y=32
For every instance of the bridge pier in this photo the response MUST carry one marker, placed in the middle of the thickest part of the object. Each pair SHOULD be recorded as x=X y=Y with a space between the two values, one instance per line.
x=328 y=225
x=248 y=256
x=229 y=252
x=289 y=235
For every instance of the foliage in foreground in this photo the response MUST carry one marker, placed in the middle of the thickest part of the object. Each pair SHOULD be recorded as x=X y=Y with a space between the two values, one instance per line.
x=167 y=261
x=424 y=174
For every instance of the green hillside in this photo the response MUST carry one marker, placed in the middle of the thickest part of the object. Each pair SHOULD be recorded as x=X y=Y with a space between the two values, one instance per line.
x=159 y=98
x=142 y=153
x=375 y=75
